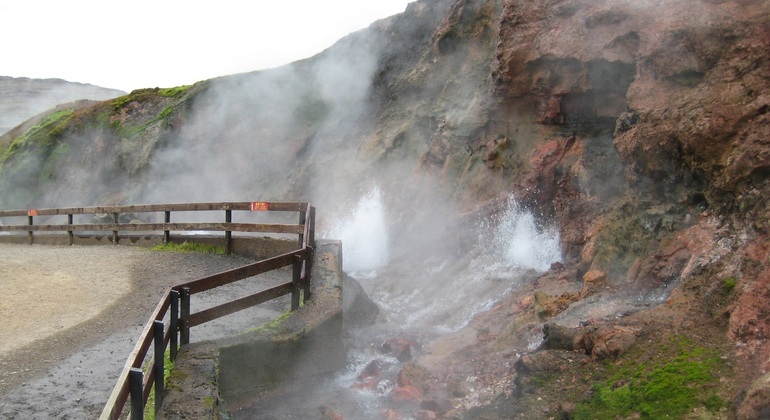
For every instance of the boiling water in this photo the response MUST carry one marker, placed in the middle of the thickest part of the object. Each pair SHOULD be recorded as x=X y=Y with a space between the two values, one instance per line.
x=364 y=236
x=442 y=290
x=435 y=290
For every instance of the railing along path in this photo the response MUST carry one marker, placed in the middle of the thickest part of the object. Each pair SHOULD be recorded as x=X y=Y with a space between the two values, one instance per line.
x=174 y=305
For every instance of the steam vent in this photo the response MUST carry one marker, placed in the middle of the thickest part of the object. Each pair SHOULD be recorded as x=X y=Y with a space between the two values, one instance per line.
x=547 y=209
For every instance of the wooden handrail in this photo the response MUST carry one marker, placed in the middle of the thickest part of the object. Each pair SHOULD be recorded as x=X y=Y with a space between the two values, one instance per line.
x=301 y=259
x=152 y=208
x=115 y=225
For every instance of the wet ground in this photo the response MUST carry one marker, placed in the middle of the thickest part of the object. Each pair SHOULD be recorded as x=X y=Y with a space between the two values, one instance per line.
x=71 y=316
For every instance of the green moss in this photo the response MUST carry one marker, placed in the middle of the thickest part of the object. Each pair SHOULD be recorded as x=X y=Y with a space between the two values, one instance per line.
x=190 y=247
x=664 y=387
x=43 y=136
x=174 y=92
x=729 y=284
x=272 y=327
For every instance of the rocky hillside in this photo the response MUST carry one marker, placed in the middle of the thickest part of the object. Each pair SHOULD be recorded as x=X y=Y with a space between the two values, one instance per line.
x=639 y=129
x=22 y=98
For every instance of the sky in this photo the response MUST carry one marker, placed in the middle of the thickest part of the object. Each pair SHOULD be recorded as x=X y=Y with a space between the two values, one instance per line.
x=136 y=44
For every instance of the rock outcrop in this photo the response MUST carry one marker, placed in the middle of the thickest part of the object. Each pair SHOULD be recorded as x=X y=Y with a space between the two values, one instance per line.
x=639 y=129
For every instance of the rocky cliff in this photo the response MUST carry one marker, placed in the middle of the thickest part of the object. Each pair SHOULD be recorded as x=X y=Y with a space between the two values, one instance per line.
x=639 y=129
x=22 y=98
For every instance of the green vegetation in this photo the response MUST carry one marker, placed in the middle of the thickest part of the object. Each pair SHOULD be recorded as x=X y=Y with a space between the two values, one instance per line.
x=190 y=247
x=149 y=99
x=174 y=92
x=729 y=284
x=272 y=327
x=665 y=387
x=168 y=371
x=45 y=135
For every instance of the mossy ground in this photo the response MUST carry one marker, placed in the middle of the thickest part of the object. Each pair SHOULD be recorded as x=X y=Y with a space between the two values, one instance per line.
x=673 y=380
x=190 y=247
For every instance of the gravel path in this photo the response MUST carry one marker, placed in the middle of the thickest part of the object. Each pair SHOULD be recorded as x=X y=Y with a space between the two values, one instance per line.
x=71 y=315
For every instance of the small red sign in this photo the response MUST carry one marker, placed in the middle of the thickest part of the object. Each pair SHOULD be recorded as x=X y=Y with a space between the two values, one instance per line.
x=257 y=206
x=31 y=212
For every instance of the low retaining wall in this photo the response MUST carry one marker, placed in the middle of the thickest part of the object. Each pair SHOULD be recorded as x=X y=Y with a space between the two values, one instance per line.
x=215 y=377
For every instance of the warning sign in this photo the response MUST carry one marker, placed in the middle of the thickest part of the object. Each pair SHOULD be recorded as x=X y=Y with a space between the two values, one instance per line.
x=260 y=206
x=31 y=212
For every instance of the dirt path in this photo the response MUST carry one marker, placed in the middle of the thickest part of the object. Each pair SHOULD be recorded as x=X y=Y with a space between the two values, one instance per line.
x=71 y=315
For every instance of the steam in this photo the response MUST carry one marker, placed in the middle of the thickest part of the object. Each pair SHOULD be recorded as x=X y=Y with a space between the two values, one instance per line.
x=364 y=236
x=439 y=283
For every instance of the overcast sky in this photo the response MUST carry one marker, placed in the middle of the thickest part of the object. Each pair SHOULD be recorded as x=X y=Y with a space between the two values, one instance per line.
x=147 y=43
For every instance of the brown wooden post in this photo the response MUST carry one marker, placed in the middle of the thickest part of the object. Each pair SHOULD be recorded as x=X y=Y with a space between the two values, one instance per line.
x=184 y=317
x=311 y=221
x=70 y=234
x=115 y=232
x=30 y=222
x=136 y=377
x=302 y=220
x=228 y=234
x=295 y=280
x=159 y=368
x=308 y=273
x=174 y=324
x=167 y=234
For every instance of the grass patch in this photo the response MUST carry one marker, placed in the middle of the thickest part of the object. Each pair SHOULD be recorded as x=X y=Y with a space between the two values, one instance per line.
x=168 y=370
x=45 y=135
x=729 y=284
x=174 y=91
x=190 y=247
x=681 y=378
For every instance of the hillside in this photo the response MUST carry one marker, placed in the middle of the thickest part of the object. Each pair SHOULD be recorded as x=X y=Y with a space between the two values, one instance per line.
x=636 y=131
x=22 y=98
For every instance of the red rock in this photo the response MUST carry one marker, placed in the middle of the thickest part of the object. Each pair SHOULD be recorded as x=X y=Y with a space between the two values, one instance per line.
x=372 y=369
x=400 y=348
x=407 y=393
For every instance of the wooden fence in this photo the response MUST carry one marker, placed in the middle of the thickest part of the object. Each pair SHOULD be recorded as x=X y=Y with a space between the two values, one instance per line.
x=174 y=306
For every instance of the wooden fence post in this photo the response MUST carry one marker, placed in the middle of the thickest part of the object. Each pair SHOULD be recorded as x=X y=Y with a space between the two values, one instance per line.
x=29 y=234
x=70 y=234
x=136 y=377
x=159 y=369
x=115 y=232
x=302 y=220
x=167 y=234
x=311 y=220
x=295 y=282
x=184 y=318
x=174 y=325
x=228 y=234
x=308 y=273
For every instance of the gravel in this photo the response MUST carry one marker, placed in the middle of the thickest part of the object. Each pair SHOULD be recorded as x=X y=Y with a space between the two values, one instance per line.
x=71 y=316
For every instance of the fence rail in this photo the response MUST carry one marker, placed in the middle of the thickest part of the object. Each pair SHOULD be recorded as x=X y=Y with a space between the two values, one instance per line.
x=116 y=225
x=136 y=384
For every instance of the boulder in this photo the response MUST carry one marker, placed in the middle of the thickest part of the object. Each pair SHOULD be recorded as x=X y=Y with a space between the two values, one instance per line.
x=606 y=342
x=557 y=337
x=544 y=360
